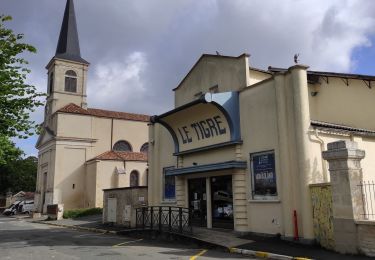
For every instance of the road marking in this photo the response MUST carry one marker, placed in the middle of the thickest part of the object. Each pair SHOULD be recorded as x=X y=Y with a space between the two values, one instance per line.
x=198 y=255
x=261 y=254
x=127 y=242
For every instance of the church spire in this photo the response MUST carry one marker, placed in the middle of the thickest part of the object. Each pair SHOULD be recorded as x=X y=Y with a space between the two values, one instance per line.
x=68 y=45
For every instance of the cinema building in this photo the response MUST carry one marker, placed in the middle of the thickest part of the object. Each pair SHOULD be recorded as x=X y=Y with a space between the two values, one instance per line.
x=243 y=145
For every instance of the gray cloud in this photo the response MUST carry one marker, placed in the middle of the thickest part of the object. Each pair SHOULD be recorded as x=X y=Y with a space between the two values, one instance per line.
x=140 y=50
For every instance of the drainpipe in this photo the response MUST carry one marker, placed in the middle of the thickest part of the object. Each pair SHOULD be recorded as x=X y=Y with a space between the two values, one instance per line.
x=322 y=147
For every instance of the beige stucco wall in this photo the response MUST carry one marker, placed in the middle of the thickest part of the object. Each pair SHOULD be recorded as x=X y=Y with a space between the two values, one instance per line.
x=135 y=132
x=338 y=103
x=160 y=156
x=103 y=175
x=90 y=184
x=59 y=98
x=46 y=164
x=259 y=134
x=319 y=140
x=67 y=126
x=258 y=76
x=101 y=132
x=228 y=73
x=69 y=171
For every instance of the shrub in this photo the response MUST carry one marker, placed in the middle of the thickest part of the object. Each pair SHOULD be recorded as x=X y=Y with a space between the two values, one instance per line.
x=77 y=213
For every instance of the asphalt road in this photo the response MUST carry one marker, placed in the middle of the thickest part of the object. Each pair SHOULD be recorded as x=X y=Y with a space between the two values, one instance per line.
x=21 y=239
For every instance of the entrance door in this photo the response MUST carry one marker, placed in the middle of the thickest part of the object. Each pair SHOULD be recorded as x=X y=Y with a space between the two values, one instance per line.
x=197 y=201
x=222 y=202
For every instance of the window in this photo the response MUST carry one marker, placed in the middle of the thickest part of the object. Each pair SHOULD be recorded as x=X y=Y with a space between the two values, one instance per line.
x=70 y=81
x=50 y=87
x=144 y=148
x=169 y=183
x=122 y=146
x=134 y=179
x=263 y=175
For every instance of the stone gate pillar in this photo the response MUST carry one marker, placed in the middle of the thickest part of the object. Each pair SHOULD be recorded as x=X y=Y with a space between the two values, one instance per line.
x=344 y=159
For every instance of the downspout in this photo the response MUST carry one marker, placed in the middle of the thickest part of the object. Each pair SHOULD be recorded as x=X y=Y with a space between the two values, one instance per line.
x=322 y=147
x=111 y=135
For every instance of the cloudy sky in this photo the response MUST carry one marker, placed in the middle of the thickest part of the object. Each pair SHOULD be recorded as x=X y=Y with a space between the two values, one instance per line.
x=140 y=49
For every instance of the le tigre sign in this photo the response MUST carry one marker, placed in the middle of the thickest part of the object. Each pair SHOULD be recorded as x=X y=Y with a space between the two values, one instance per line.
x=207 y=128
x=199 y=126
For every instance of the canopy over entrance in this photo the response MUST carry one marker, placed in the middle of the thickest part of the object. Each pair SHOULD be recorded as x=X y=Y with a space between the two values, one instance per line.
x=208 y=122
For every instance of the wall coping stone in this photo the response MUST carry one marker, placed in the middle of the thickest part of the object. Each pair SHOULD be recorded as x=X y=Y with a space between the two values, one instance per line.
x=365 y=222
x=323 y=184
x=341 y=150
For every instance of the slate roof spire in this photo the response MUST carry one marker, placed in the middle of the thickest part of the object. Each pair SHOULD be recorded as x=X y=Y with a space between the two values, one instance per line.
x=68 y=44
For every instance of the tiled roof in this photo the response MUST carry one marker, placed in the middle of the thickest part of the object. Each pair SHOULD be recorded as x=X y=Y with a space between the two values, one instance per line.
x=122 y=156
x=343 y=129
x=74 y=109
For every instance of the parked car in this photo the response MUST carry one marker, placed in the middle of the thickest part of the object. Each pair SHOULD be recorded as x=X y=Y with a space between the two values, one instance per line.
x=26 y=206
x=12 y=209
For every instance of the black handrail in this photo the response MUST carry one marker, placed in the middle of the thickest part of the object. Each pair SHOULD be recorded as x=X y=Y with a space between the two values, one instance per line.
x=172 y=219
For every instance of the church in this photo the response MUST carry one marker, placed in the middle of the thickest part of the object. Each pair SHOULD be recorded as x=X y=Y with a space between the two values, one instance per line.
x=83 y=150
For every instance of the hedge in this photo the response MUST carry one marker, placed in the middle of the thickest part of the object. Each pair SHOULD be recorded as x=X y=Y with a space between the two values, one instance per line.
x=77 y=213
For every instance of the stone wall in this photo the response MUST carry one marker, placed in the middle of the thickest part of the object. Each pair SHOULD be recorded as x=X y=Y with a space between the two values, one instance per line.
x=321 y=197
x=351 y=233
x=136 y=197
x=366 y=237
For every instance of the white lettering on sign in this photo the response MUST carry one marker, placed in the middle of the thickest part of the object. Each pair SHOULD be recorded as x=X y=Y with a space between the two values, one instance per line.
x=263 y=159
x=264 y=176
x=202 y=129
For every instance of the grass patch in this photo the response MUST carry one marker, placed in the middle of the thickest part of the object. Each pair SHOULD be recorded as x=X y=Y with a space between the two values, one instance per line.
x=77 y=213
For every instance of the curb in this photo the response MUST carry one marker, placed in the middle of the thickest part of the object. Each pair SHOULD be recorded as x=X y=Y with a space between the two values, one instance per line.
x=265 y=255
x=96 y=230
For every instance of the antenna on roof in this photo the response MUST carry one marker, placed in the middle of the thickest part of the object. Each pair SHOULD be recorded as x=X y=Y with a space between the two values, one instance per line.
x=296 y=60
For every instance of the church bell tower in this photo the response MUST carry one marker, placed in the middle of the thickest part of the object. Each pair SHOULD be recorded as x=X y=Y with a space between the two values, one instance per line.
x=67 y=70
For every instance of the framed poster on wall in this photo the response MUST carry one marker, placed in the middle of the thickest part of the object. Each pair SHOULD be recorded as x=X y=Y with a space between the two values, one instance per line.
x=263 y=175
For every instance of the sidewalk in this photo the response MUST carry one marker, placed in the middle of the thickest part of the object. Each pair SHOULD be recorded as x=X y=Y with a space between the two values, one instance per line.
x=264 y=247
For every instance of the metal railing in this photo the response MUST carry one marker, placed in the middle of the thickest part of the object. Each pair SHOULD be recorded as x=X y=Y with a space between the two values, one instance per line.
x=368 y=199
x=162 y=218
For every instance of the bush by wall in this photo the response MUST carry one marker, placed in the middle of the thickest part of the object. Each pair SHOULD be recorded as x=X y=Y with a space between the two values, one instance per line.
x=77 y=213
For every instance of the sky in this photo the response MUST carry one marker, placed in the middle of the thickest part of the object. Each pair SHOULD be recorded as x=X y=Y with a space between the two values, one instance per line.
x=139 y=50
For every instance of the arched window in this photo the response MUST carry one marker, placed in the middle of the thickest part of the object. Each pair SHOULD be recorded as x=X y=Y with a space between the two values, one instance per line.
x=122 y=146
x=144 y=148
x=134 y=179
x=70 y=81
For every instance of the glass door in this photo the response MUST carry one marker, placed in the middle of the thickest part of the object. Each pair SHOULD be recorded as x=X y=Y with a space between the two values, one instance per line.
x=197 y=201
x=222 y=202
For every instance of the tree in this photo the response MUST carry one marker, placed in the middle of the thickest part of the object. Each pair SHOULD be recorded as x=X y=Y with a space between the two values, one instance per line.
x=8 y=151
x=19 y=174
x=17 y=98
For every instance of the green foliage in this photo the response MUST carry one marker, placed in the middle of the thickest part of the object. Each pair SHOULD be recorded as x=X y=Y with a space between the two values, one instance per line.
x=17 y=98
x=77 y=213
x=8 y=151
x=19 y=174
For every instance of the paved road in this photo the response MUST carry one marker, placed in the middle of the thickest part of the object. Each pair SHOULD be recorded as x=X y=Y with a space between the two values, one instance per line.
x=21 y=239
